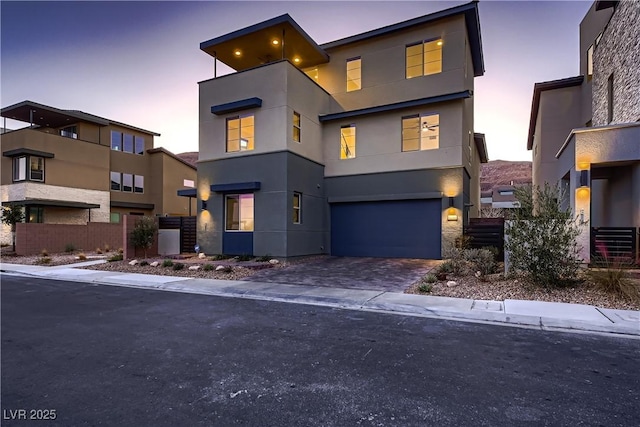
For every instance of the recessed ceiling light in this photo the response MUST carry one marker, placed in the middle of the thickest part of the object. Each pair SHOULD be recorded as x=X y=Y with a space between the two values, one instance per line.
x=275 y=41
x=439 y=43
x=296 y=60
x=237 y=53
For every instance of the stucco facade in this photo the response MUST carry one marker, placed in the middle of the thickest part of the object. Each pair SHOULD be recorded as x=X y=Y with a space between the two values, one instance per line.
x=300 y=175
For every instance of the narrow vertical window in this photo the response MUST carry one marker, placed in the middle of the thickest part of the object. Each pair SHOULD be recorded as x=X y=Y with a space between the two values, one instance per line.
x=138 y=184
x=240 y=133
x=19 y=168
x=610 y=98
x=590 y=63
x=116 y=181
x=127 y=182
x=348 y=141
x=116 y=140
x=139 y=145
x=297 y=208
x=354 y=74
x=127 y=143
x=36 y=168
x=296 y=126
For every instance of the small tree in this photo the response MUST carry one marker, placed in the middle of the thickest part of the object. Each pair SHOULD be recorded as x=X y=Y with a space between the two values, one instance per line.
x=11 y=215
x=542 y=237
x=144 y=233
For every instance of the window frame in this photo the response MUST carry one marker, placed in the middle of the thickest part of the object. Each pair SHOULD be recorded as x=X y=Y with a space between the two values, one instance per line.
x=610 y=84
x=423 y=62
x=590 y=62
x=240 y=117
x=31 y=170
x=135 y=184
x=136 y=140
x=111 y=176
x=126 y=176
x=22 y=171
x=421 y=141
x=119 y=145
x=297 y=127
x=239 y=198
x=69 y=132
x=357 y=81
x=37 y=212
x=346 y=144
x=297 y=210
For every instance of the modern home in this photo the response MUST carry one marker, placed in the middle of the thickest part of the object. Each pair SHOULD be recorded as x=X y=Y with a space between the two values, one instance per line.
x=70 y=167
x=499 y=197
x=364 y=146
x=584 y=130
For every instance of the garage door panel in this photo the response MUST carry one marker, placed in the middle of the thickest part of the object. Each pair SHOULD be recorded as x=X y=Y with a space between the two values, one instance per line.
x=401 y=229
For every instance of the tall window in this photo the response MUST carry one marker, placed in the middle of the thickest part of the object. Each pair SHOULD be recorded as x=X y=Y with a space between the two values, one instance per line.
x=239 y=212
x=424 y=58
x=420 y=132
x=116 y=140
x=354 y=74
x=138 y=184
x=116 y=181
x=35 y=214
x=28 y=168
x=139 y=145
x=348 y=141
x=297 y=208
x=610 y=99
x=590 y=63
x=240 y=133
x=127 y=182
x=296 y=126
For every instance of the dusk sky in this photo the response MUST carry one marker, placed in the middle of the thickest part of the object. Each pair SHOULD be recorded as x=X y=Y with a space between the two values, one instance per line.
x=139 y=62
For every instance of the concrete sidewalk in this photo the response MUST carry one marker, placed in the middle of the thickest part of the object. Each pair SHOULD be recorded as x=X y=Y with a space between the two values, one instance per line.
x=537 y=314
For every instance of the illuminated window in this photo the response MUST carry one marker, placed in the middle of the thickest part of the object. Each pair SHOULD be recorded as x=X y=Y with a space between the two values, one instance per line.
x=239 y=212
x=590 y=63
x=348 y=141
x=297 y=208
x=296 y=126
x=240 y=133
x=36 y=168
x=420 y=132
x=424 y=58
x=354 y=74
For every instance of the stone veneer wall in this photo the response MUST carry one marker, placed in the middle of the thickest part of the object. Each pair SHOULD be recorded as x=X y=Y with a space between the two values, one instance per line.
x=619 y=53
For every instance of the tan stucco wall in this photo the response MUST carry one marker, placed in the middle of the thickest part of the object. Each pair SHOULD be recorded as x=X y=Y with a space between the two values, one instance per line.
x=173 y=176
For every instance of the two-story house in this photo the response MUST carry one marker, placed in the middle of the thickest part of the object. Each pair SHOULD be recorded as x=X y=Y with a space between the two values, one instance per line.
x=364 y=146
x=584 y=130
x=70 y=167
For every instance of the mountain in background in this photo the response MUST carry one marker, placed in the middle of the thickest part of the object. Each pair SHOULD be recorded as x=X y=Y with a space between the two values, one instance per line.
x=496 y=172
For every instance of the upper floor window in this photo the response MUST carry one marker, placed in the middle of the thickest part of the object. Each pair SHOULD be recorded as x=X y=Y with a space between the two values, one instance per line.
x=127 y=182
x=348 y=141
x=421 y=132
x=610 y=99
x=296 y=126
x=590 y=63
x=240 y=133
x=69 y=132
x=127 y=143
x=29 y=168
x=354 y=74
x=424 y=58
x=297 y=208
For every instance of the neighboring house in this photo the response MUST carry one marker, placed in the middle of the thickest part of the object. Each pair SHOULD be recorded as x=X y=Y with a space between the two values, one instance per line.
x=584 y=130
x=70 y=167
x=364 y=146
x=500 y=197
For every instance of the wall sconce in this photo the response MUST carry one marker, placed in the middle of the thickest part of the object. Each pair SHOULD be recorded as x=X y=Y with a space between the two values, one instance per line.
x=452 y=214
x=203 y=205
x=583 y=178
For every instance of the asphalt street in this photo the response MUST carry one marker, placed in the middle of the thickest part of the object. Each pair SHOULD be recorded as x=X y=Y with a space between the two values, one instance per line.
x=103 y=355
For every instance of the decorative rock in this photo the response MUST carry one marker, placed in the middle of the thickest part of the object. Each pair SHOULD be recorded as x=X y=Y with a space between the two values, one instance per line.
x=478 y=274
x=201 y=255
x=220 y=267
x=133 y=262
x=154 y=264
x=194 y=268
x=274 y=261
x=451 y=283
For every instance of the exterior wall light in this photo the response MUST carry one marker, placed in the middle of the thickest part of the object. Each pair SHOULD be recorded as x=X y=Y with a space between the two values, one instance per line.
x=452 y=214
x=203 y=205
x=583 y=178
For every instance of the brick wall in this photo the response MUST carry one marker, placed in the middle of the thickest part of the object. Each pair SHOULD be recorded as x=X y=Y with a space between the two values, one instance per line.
x=618 y=52
x=32 y=238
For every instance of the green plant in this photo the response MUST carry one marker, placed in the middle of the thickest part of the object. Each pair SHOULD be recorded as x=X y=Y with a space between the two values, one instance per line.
x=43 y=260
x=82 y=256
x=208 y=267
x=167 y=263
x=481 y=260
x=44 y=253
x=244 y=257
x=542 y=238
x=144 y=262
x=69 y=247
x=612 y=276
x=425 y=288
x=178 y=266
x=264 y=258
x=11 y=215
x=115 y=257
x=430 y=278
x=455 y=260
x=144 y=233
x=445 y=267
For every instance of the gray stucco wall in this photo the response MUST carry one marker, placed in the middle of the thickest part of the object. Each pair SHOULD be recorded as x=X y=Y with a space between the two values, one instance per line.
x=619 y=53
x=280 y=174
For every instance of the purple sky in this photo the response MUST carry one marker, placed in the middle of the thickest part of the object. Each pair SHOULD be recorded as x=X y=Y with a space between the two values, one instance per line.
x=139 y=62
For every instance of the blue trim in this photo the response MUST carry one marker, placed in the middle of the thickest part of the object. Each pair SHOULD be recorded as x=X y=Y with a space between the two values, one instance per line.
x=232 y=107
x=191 y=192
x=397 y=106
x=472 y=21
x=237 y=243
x=236 y=186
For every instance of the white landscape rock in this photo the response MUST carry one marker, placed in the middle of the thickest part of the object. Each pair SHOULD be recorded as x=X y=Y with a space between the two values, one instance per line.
x=133 y=262
x=451 y=283
x=274 y=261
x=220 y=268
x=194 y=268
x=154 y=264
x=201 y=255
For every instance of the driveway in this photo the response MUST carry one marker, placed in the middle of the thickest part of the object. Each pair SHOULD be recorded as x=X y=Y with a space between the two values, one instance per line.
x=383 y=274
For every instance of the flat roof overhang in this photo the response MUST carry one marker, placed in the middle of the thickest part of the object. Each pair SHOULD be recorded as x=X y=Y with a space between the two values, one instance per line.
x=190 y=192
x=44 y=115
x=255 y=45
x=52 y=203
x=27 y=152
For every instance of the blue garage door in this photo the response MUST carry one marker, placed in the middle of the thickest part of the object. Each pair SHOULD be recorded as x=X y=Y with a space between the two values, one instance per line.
x=395 y=229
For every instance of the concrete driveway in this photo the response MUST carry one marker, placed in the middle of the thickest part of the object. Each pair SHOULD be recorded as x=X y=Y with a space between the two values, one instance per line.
x=383 y=274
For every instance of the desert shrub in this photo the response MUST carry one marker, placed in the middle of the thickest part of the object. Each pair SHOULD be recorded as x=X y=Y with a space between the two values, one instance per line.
x=167 y=263
x=219 y=257
x=264 y=258
x=98 y=251
x=115 y=257
x=144 y=233
x=207 y=267
x=612 y=276
x=430 y=278
x=69 y=247
x=463 y=241
x=178 y=266
x=82 y=256
x=120 y=250
x=425 y=288
x=244 y=257
x=445 y=267
x=481 y=260
x=455 y=260
x=43 y=260
x=44 y=253
x=542 y=238
x=144 y=262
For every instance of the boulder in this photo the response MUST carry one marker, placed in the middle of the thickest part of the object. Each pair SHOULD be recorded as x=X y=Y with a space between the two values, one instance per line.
x=274 y=261
x=201 y=255
x=154 y=264
x=194 y=268
x=220 y=267
x=451 y=283
x=133 y=262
